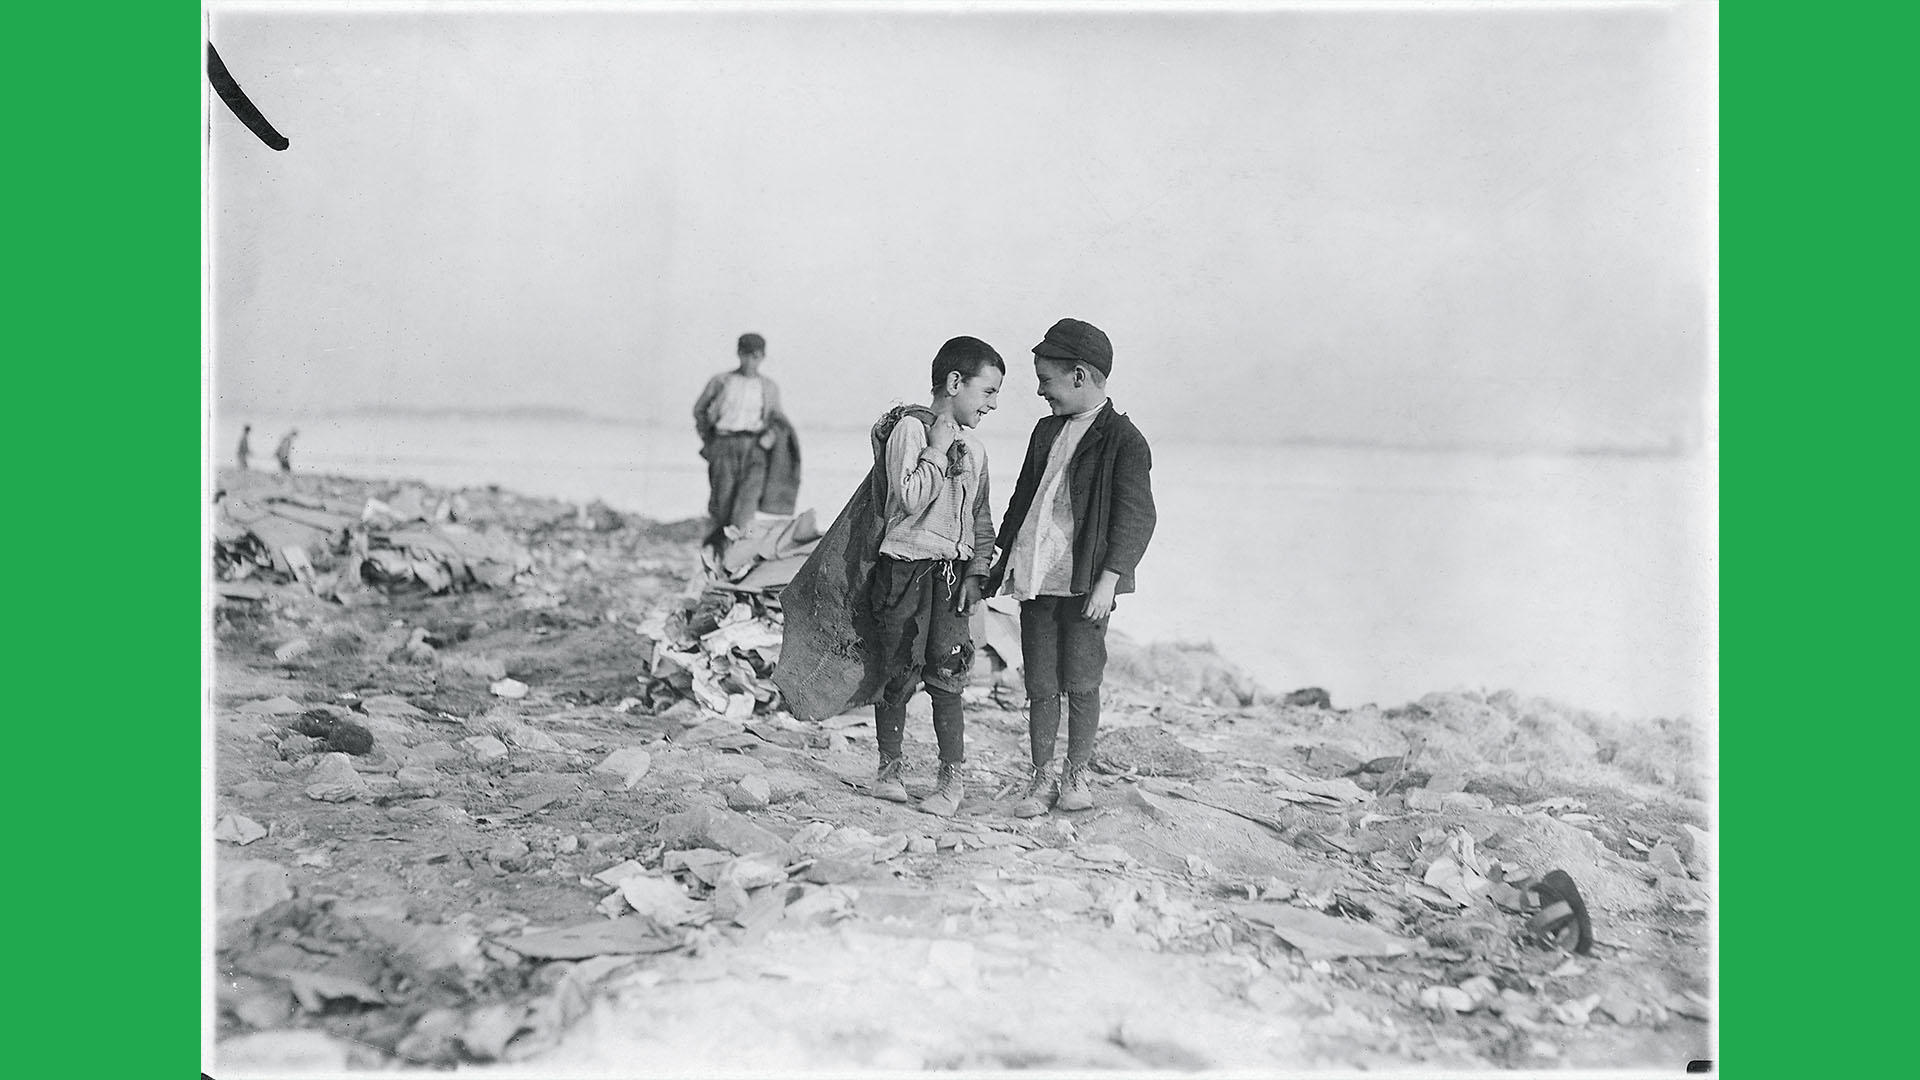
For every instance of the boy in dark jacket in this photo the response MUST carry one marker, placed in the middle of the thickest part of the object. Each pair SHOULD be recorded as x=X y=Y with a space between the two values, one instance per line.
x=1079 y=521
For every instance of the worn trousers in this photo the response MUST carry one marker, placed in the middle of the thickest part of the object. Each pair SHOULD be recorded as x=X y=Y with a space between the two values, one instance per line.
x=736 y=475
x=1063 y=651
x=923 y=639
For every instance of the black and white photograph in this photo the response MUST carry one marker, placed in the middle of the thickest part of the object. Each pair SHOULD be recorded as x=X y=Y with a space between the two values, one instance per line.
x=867 y=538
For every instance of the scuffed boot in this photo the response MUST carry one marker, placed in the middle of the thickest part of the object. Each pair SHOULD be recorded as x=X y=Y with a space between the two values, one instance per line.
x=1074 y=792
x=947 y=792
x=1042 y=791
x=886 y=782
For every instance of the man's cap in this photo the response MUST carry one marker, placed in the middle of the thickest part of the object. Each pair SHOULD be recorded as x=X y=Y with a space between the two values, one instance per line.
x=1071 y=340
x=751 y=343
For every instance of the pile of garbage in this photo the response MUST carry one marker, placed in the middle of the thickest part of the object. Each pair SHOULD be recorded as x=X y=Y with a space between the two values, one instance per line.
x=336 y=545
x=716 y=643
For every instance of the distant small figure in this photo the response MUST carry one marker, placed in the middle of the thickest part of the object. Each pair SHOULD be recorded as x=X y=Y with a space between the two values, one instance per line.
x=283 y=453
x=246 y=449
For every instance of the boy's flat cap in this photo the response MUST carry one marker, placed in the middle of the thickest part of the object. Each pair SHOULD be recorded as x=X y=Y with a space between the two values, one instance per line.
x=1071 y=339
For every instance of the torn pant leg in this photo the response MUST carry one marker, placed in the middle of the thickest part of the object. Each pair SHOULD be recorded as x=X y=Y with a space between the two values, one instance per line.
x=898 y=600
x=924 y=639
x=948 y=662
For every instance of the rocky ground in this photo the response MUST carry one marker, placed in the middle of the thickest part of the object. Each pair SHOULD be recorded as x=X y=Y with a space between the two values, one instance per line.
x=461 y=829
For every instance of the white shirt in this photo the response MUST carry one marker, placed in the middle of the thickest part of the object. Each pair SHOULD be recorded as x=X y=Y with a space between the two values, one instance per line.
x=1042 y=560
x=742 y=404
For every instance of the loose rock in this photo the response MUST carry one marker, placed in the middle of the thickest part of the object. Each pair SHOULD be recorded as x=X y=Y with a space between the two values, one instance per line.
x=483 y=748
x=705 y=826
x=238 y=829
x=418 y=779
x=624 y=767
x=334 y=779
x=244 y=888
x=749 y=793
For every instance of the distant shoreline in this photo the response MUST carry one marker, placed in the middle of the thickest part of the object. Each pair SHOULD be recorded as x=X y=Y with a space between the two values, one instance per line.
x=1671 y=449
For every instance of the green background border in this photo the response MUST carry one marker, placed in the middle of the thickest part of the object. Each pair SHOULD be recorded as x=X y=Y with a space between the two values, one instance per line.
x=1815 y=262
x=103 y=710
x=106 y=473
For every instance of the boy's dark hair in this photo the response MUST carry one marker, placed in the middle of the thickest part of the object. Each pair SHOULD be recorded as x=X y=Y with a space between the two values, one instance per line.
x=751 y=343
x=966 y=355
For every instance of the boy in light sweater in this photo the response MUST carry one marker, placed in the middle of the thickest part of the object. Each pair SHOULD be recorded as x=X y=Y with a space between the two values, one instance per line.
x=932 y=567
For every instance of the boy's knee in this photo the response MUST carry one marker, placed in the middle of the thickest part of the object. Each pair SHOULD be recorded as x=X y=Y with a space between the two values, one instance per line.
x=949 y=672
x=900 y=688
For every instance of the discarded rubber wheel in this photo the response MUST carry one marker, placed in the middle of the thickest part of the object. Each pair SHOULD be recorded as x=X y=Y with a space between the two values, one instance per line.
x=1562 y=921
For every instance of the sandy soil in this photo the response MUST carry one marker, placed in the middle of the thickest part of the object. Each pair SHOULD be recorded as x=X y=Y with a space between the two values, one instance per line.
x=379 y=930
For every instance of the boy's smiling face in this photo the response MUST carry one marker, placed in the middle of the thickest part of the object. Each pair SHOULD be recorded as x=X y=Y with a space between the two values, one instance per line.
x=1058 y=387
x=978 y=396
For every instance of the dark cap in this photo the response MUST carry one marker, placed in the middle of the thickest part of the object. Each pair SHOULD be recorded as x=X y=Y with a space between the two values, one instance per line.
x=1071 y=339
x=751 y=343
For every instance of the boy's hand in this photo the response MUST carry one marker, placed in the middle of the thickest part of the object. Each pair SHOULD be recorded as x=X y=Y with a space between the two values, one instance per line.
x=942 y=433
x=971 y=590
x=1100 y=600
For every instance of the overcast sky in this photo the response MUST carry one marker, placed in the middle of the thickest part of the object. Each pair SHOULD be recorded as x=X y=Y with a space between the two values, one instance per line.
x=1405 y=223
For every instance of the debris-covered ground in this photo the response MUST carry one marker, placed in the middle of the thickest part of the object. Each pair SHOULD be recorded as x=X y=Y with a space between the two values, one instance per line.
x=502 y=779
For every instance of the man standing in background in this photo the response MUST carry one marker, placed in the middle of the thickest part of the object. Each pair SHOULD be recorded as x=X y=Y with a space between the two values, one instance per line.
x=283 y=453
x=245 y=449
x=737 y=416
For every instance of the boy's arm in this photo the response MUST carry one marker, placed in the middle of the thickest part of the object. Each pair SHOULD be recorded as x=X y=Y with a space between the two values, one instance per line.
x=1130 y=526
x=1133 y=518
x=702 y=422
x=912 y=472
x=982 y=560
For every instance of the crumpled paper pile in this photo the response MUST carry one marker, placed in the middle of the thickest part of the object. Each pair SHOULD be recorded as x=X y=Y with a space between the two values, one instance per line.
x=716 y=644
x=334 y=545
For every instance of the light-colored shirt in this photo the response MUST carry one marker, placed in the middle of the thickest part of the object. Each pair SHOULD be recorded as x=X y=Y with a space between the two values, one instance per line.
x=1041 y=563
x=743 y=404
x=931 y=506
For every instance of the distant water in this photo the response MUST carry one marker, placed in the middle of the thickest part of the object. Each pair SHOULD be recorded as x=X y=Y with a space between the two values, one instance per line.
x=1377 y=574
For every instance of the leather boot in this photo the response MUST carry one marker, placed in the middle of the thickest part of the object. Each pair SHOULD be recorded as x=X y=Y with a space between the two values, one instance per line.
x=947 y=792
x=1074 y=792
x=1042 y=791
x=886 y=782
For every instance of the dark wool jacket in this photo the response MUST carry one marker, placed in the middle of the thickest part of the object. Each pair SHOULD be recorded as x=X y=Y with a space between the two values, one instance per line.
x=1112 y=493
